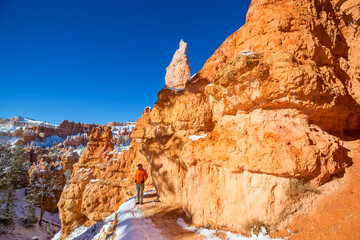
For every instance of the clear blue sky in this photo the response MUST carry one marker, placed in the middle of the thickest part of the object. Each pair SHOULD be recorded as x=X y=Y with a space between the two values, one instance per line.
x=105 y=60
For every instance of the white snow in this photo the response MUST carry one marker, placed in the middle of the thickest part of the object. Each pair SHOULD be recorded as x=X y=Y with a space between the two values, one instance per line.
x=129 y=128
x=8 y=127
x=59 y=167
x=175 y=89
x=197 y=137
x=209 y=233
x=51 y=223
x=192 y=77
x=94 y=180
x=121 y=147
x=79 y=150
x=8 y=139
x=246 y=52
x=210 y=84
x=49 y=141
x=132 y=225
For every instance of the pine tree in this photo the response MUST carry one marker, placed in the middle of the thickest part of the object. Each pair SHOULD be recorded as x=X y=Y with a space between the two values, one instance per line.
x=11 y=173
x=44 y=184
x=31 y=200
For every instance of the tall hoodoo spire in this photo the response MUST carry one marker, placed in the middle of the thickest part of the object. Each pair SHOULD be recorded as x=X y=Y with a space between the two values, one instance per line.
x=178 y=72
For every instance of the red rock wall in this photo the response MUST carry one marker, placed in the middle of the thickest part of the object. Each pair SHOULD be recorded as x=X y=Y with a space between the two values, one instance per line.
x=279 y=112
x=100 y=182
x=257 y=118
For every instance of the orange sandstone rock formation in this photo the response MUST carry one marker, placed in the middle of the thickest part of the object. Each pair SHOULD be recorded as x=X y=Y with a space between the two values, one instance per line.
x=50 y=164
x=272 y=103
x=101 y=180
x=178 y=72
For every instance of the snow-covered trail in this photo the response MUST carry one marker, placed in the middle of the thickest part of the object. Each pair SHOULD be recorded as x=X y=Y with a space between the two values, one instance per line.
x=151 y=221
x=128 y=222
x=132 y=224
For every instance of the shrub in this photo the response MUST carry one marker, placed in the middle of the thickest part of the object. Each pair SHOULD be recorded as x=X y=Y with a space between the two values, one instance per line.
x=297 y=188
x=255 y=226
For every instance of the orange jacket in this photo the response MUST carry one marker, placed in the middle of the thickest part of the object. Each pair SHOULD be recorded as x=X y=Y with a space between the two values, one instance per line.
x=140 y=175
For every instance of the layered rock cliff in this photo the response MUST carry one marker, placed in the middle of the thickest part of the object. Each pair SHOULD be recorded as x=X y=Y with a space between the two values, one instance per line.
x=101 y=180
x=30 y=130
x=272 y=104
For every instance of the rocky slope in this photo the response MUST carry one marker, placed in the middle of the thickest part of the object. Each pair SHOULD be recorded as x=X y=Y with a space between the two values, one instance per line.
x=101 y=180
x=52 y=157
x=273 y=104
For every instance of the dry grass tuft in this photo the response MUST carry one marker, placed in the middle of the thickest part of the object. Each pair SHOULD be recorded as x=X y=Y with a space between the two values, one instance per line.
x=255 y=225
x=297 y=188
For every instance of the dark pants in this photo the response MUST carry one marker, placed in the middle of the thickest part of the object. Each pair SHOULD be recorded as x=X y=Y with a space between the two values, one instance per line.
x=139 y=192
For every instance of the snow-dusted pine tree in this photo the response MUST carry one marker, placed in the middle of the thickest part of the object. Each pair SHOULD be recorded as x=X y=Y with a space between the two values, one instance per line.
x=31 y=199
x=11 y=173
x=45 y=185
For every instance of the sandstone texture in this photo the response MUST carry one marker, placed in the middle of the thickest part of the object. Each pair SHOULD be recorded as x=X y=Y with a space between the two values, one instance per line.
x=50 y=165
x=273 y=103
x=30 y=130
x=102 y=179
x=178 y=72
x=77 y=140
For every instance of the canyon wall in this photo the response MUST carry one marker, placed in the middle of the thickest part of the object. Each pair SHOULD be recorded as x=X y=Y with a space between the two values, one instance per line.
x=30 y=131
x=273 y=103
x=102 y=179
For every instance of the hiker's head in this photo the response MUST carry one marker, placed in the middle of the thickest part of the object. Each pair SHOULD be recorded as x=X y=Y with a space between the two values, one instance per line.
x=139 y=166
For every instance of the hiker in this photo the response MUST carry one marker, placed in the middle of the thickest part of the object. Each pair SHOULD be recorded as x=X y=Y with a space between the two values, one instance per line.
x=140 y=178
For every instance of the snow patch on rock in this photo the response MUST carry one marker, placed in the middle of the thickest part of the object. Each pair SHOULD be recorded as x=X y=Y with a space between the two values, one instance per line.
x=210 y=234
x=246 y=52
x=197 y=137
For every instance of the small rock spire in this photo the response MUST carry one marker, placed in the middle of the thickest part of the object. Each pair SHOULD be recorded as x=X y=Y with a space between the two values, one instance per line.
x=178 y=72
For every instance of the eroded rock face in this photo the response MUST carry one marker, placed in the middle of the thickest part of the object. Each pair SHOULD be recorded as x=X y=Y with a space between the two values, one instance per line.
x=101 y=180
x=29 y=135
x=49 y=172
x=349 y=15
x=178 y=72
x=272 y=103
x=75 y=141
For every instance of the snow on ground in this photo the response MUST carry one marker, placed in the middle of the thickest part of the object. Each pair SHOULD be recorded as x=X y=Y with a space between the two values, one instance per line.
x=192 y=77
x=8 y=140
x=79 y=150
x=132 y=225
x=7 y=127
x=209 y=234
x=175 y=89
x=197 y=137
x=49 y=141
x=246 y=52
x=121 y=147
x=37 y=122
x=50 y=226
x=116 y=129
